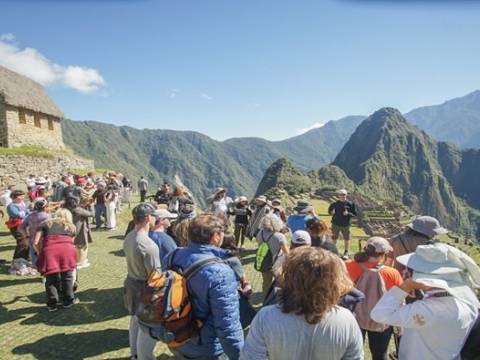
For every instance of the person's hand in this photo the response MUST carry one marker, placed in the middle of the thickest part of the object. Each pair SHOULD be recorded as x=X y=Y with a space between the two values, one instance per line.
x=409 y=285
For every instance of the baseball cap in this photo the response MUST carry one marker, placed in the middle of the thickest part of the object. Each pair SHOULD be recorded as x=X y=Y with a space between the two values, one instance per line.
x=142 y=210
x=301 y=237
x=380 y=244
x=164 y=214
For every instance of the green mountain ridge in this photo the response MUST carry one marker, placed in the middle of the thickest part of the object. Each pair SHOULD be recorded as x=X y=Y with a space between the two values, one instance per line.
x=201 y=162
x=456 y=120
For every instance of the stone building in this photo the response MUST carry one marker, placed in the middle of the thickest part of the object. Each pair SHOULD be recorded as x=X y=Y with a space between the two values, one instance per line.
x=27 y=114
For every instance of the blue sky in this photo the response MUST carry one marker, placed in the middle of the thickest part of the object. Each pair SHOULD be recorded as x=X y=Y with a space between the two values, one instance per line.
x=242 y=68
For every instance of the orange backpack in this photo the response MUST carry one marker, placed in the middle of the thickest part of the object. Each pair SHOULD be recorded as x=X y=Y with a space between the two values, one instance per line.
x=165 y=307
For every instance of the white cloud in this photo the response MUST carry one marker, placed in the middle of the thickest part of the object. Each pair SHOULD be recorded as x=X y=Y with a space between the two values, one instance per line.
x=311 y=127
x=206 y=96
x=30 y=62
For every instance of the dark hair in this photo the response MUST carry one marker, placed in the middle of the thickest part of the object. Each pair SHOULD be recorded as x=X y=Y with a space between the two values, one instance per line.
x=312 y=282
x=229 y=244
x=203 y=227
x=368 y=252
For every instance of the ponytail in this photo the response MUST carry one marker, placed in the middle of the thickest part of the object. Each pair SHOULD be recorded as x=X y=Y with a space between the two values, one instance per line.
x=368 y=252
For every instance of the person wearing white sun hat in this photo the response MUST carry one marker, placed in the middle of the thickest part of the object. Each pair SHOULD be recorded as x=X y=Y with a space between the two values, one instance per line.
x=436 y=326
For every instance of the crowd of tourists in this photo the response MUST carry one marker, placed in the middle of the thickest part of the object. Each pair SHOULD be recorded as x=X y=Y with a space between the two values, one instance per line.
x=51 y=223
x=410 y=296
x=189 y=290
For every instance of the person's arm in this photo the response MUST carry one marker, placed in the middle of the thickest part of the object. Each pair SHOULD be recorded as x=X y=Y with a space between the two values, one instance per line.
x=84 y=212
x=255 y=347
x=37 y=241
x=331 y=208
x=225 y=308
x=391 y=310
x=284 y=245
x=353 y=209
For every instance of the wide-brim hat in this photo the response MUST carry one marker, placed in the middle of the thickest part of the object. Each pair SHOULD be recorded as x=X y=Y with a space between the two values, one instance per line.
x=164 y=214
x=303 y=207
x=219 y=190
x=40 y=181
x=427 y=225
x=262 y=198
x=242 y=199
x=431 y=259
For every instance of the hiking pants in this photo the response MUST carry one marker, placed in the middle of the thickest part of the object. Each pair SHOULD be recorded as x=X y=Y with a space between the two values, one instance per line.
x=100 y=210
x=143 y=193
x=142 y=344
x=267 y=281
x=239 y=233
x=378 y=343
x=22 y=249
x=59 y=286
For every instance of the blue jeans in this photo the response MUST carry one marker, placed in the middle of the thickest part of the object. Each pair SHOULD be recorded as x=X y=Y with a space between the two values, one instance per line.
x=100 y=210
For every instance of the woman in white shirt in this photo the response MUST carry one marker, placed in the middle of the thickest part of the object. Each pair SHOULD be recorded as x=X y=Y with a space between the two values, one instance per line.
x=436 y=326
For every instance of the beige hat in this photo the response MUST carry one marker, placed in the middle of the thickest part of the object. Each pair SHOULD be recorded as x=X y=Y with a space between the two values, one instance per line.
x=342 y=192
x=164 y=214
x=262 y=198
x=242 y=199
x=380 y=244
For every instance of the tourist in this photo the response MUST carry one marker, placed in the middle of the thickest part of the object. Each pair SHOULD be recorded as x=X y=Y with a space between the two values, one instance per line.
x=373 y=278
x=57 y=258
x=278 y=210
x=342 y=212
x=261 y=209
x=163 y=195
x=17 y=211
x=83 y=236
x=297 y=221
x=319 y=233
x=436 y=326
x=421 y=231
x=179 y=229
x=100 y=208
x=58 y=189
x=180 y=198
x=213 y=290
x=270 y=232
x=5 y=197
x=142 y=258
x=242 y=213
x=159 y=236
x=307 y=324
x=110 y=199
x=221 y=203
x=31 y=224
x=30 y=181
x=142 y=188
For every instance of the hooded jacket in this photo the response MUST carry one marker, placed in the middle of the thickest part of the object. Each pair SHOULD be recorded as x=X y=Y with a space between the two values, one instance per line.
x=215 y=301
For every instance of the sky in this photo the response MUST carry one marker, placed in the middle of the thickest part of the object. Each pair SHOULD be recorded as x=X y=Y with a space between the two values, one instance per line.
x=269 y=68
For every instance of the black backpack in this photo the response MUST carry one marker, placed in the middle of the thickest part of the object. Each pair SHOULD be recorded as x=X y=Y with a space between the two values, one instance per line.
x=471 y=348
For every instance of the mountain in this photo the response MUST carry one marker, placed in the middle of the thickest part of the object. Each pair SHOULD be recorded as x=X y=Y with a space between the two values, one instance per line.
x=456 y=120
x=389 y=158
x=201 y=162
x=283 y=175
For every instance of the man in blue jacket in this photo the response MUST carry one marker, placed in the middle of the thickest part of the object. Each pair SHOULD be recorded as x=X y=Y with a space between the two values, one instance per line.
x=214 y=294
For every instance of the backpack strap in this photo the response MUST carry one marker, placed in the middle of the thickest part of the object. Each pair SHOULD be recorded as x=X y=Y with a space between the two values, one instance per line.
x=403 y=244
x=263 y=239
x=198 y=265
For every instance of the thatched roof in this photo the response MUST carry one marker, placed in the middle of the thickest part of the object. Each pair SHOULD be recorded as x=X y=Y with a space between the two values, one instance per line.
x=23 y=92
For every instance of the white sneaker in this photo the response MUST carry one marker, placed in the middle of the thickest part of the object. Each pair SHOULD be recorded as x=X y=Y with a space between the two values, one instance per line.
x=83 y=266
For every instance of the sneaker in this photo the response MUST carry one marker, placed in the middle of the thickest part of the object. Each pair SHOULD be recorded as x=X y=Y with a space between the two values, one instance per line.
x=84 y=265
x=345 y=255
x=67 y=305
x=52 y=308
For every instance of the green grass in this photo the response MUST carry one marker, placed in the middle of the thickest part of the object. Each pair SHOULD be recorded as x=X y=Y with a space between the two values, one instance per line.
x=35 y=151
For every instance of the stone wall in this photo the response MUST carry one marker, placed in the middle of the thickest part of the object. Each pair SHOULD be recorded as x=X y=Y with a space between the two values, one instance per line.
x=3 y=124
x=46 y=132
x=15 y=168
